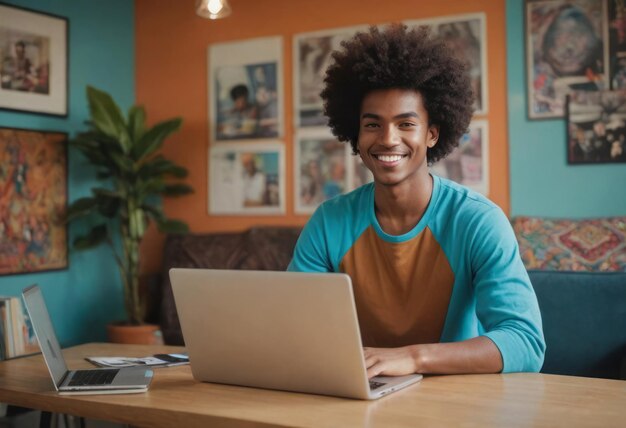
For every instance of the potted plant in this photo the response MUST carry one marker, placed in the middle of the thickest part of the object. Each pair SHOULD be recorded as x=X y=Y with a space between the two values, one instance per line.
x=125 y=155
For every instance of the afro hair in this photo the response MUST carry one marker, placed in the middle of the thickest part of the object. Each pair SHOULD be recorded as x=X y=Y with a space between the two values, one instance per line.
x=399 y=58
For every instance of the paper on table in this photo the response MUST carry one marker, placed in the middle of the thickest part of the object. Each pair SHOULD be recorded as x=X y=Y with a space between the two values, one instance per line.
x=130 y=362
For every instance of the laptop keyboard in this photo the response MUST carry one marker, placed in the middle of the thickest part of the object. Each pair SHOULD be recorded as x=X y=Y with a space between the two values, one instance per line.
x=375 y=385
x=93 y=377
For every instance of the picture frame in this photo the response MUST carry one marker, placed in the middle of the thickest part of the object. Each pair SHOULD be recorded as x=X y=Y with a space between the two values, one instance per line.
x=567 y=48
x=596 y=127
x=247 y=178
x=324 y=168
x=311 y=56
x=467 y=35
x=34 y=165
x=468 y=164
x=246 y=90
x=320 y=168
x=34 y=65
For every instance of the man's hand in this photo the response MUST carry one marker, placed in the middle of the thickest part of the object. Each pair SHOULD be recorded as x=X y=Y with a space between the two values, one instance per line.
x=390 y=361
x=477 y=355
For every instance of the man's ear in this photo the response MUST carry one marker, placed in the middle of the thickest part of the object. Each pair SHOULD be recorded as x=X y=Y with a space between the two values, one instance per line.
x=433 y=136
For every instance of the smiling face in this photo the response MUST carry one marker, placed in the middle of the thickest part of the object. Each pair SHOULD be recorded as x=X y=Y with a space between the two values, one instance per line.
x=394 y=136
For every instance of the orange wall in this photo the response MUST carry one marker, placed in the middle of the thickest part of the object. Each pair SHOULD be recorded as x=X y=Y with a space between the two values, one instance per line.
x=171 y=80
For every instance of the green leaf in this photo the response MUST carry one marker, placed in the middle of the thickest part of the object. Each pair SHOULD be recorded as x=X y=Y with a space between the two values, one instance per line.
x=107 y=116
x=80 y=207
x=178 y=189
x=96 y=236
x=154 y=212
x=153 y=139
x=173 y=226
x=122 y=162
x=160 y=167
x=108 y=201
x=136 y=122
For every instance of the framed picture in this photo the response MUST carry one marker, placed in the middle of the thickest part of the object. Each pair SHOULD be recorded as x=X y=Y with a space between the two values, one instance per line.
x=33 y=179
x=33 y=61
x=468 y=164
x=311 y=56
x=247 y=178
x=321 y=164
x=596 y=127
x=566 y=50
x=467 y=36
x=324 y=168
x=246 y=90
x=617 y=43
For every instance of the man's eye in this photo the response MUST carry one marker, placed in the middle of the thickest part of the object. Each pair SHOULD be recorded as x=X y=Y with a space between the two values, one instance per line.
x=370 y=125
x=407 y=124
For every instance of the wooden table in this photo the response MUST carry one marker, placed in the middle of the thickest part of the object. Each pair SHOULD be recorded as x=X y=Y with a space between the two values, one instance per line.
x=175 y=399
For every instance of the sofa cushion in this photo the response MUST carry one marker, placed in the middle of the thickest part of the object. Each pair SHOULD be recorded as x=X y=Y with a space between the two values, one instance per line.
x=262 y=248
x=584 y=322
x=572 y=245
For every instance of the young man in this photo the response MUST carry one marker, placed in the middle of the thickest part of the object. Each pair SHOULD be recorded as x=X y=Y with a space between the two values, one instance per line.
x=438 y=281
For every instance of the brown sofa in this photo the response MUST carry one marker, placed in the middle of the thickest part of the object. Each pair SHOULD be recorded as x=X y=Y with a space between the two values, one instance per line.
x=262 y=248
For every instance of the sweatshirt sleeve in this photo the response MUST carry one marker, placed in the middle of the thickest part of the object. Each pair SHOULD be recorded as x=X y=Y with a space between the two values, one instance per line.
x=311 y=252
x=506 y=303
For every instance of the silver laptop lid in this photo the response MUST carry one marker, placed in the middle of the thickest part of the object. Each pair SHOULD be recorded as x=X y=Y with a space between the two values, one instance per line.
x=40 y=319
x=277 y=330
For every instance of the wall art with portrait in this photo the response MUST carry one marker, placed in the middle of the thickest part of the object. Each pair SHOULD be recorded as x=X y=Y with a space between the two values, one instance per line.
x=468 y=164
x=324 y=168
x=247 y=178
x=245 y=90
x=596 y=127
x=567 y=49
x=311 y=56
x=33 y=61
x=33 y=198
x=466 y=35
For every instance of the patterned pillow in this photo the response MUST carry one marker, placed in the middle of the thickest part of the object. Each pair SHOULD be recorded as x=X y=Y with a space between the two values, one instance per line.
x=575 y=245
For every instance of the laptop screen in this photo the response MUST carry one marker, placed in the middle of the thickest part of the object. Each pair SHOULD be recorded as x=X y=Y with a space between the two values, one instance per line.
x=40 y=319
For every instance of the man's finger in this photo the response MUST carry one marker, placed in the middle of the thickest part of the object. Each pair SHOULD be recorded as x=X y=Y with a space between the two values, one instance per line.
x=375 y=370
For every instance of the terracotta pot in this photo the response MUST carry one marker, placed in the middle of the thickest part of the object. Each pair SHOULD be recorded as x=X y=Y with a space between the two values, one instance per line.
x=145 y=334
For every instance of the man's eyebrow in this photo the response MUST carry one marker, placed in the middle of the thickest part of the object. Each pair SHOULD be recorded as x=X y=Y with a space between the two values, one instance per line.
x=398 y=116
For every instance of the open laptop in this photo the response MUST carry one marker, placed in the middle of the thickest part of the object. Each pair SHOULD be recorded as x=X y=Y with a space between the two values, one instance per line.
x=93 y=381
x=278 y=330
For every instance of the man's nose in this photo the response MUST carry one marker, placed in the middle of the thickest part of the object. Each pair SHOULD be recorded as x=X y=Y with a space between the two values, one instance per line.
x=389 y=136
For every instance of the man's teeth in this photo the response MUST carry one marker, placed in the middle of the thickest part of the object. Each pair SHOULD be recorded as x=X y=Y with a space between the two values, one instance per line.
x=389 y=158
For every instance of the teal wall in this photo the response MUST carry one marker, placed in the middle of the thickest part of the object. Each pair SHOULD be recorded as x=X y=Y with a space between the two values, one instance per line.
x=83 y=298
x=541 y=181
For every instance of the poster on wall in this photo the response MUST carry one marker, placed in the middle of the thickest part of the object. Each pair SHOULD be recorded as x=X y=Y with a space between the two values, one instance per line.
x=33 y=61
x=245 y=90
x=311 y=57
x=33 y=198
x=466 y=35
x=321 y=169
x=247 y=178
x=617 y=43
x=324 y=168
x=596 y=127
x=567 y=49
x=468 y=164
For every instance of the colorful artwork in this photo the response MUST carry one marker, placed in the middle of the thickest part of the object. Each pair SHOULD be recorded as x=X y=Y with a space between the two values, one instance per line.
x=33 y=197
x=596 y=125
x=567 y=49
